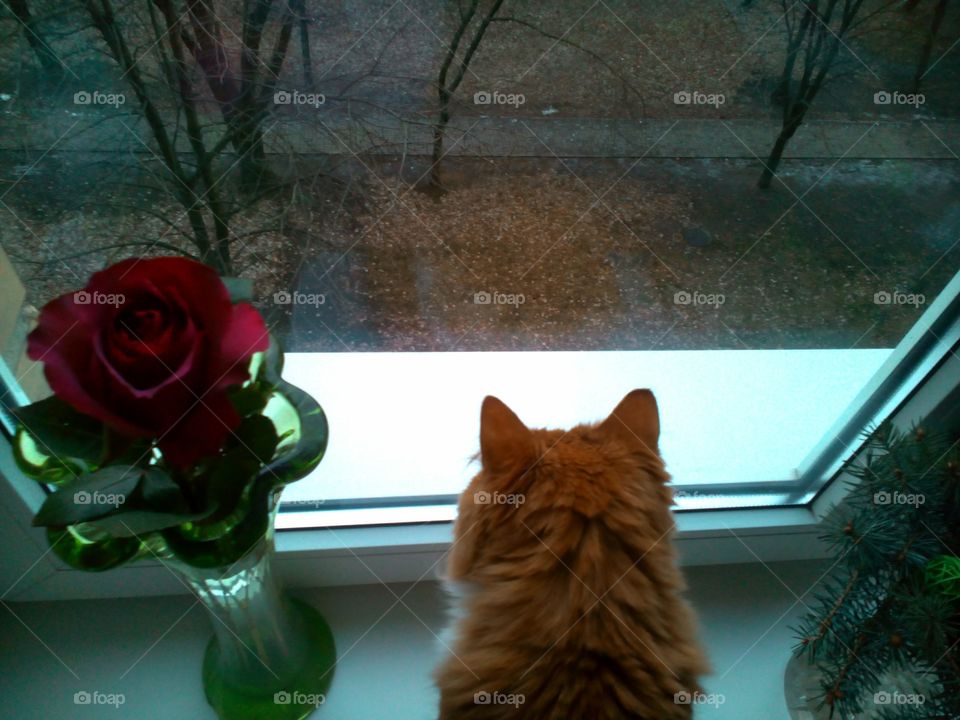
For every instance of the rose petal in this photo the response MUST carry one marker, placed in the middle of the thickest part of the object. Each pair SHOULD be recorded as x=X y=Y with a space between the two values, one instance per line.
x=184 y=376
x=246 y=334
x=148 y=365
x=61 y=341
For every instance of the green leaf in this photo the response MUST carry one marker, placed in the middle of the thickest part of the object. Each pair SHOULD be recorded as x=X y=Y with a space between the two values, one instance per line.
x=258 y=436
x=249 y=399
x=240 y=289
x=90 y=496
x=119 y=501
x=159 y=492
x=132 y=523
x=226 y=484
x=309 y=441
x=250 y=447
x=59 y=430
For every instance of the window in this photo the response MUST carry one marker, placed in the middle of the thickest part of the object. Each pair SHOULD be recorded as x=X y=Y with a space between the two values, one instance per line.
x=566 y=213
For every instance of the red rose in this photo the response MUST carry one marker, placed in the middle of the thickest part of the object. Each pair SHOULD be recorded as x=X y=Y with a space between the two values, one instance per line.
x=150 y=347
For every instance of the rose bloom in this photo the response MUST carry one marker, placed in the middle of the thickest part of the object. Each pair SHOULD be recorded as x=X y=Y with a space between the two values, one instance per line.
x=150 y=348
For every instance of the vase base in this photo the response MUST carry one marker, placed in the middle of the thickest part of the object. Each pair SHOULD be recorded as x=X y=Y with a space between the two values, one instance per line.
x=294 y=700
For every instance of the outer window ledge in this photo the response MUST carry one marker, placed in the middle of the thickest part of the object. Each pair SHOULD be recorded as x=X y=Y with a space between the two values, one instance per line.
x=691 y=525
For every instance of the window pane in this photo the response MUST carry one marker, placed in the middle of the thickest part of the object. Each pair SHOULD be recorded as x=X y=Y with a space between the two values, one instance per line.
x=406 y=181
x=407 y=424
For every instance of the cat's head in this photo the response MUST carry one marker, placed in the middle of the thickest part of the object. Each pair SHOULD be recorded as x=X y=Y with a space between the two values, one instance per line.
x=536 y=484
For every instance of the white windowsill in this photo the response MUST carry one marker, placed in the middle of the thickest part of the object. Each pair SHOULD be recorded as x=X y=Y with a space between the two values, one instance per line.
x=150 y=649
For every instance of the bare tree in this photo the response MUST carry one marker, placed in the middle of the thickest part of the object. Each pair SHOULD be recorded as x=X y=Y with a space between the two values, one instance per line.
x=816 y=31
x=447 y=86
x=241 y=93
x=929 y=41
x=185 y=39
x=214 y=252
x=36 y=39
x=306 y=61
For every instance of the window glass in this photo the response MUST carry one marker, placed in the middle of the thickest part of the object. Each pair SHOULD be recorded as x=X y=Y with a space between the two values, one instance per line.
x=744 y=205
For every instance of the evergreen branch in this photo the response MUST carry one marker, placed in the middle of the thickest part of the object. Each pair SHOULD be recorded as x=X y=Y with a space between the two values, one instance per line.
x=828 y=620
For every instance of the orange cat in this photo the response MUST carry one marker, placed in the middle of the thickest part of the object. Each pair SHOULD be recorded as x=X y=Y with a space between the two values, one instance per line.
x=571 y=605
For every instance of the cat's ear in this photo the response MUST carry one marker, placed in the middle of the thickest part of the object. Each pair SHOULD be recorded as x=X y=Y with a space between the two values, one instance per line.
x=505 y=442
x=635 y=421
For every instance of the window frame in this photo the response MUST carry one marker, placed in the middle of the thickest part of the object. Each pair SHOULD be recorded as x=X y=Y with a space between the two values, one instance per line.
x=921 y=379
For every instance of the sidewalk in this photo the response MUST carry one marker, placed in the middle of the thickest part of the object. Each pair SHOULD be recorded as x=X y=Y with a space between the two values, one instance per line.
x=617 y=138
x=326 y=133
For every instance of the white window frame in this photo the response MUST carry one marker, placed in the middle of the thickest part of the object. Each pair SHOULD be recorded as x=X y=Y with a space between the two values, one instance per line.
x=921 y=379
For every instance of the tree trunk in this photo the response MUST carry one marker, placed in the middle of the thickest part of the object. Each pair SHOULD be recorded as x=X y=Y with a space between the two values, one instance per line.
x=809 y=35
x=48 y=61
x=255 y=98
x=776 y=154
x=251 y=147
x=104 y=20
x=235 y=95
x=446 y=90
x=928 y=44
x=248 y=141
x=298 y=7
x=439 y=130
x=773 y=161
x=220 y=257
x=208 y=50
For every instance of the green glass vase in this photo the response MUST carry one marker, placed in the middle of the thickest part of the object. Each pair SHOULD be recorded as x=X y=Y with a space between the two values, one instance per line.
x=271 y=657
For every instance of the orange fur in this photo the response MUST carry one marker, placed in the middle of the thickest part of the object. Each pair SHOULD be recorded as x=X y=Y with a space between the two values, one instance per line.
x=573 y=596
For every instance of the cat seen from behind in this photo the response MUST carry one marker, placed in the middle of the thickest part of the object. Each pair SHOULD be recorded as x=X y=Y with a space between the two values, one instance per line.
x=569 y=594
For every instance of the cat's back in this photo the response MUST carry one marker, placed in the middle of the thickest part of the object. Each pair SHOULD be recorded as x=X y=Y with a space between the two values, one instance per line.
x=575 y=607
